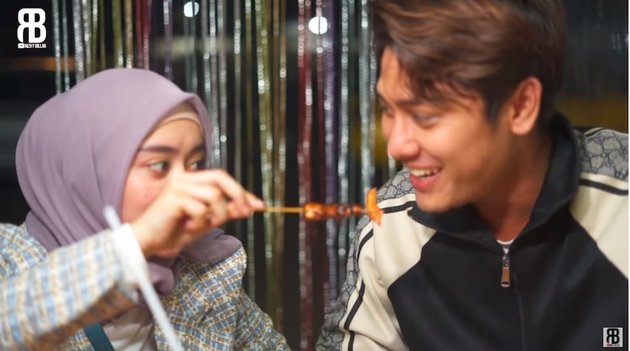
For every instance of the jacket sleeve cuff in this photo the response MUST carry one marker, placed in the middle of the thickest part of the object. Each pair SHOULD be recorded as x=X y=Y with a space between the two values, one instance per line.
x=128 y=251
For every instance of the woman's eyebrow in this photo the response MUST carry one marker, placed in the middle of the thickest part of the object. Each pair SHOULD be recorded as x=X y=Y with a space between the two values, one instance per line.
x=165 y=149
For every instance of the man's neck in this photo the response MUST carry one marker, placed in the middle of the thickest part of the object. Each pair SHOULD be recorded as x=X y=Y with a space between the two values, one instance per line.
x=508 y=214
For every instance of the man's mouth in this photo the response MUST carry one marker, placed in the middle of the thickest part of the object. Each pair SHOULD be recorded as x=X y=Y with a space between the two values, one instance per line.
x=424 y=172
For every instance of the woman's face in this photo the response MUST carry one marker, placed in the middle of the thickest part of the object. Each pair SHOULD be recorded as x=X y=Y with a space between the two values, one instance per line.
x=176 y=145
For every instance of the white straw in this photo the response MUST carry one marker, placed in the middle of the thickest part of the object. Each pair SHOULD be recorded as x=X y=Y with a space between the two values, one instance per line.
x=147 y=289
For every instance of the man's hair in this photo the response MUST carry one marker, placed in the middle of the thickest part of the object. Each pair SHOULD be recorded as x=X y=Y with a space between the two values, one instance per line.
x=483 y=47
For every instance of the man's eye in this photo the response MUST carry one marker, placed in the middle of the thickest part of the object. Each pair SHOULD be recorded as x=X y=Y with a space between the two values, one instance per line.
x=386 y=113
x=160 y=167
x=425 y=119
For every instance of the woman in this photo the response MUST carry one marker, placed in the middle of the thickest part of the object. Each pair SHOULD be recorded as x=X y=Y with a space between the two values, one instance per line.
x=133 y=140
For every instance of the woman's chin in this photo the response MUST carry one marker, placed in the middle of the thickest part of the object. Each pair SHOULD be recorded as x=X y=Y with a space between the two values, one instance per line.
x=168 y=254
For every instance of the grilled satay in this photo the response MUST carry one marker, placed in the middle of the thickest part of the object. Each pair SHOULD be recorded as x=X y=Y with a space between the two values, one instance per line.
x=313 y=211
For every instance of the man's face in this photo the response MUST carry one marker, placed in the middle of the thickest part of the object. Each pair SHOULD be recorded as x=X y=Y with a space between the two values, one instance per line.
x=454 y=154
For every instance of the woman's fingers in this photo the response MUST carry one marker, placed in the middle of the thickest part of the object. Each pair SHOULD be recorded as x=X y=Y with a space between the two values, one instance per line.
x=216 y=186
x=191 y=204
x=254 y=202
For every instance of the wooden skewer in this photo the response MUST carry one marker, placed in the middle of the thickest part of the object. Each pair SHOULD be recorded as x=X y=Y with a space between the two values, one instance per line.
x=287 y=210
x=283 y=210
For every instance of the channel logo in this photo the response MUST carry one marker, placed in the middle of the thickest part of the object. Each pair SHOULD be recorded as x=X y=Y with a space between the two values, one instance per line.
x=31 y=21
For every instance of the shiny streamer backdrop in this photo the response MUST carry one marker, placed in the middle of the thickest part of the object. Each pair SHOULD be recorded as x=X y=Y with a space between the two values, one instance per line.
x=290 y=97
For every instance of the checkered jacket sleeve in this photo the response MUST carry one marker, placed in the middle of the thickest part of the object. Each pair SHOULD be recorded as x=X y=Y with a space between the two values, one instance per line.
x=45 y=299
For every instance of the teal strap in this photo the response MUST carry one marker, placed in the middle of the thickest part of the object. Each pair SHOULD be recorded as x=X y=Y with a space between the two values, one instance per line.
x=98 y=338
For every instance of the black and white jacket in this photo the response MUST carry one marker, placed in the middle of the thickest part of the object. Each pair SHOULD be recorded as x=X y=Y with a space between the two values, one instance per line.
x=435 y=282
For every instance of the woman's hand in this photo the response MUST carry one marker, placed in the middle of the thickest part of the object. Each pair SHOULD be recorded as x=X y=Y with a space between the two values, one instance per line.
x=190 y=205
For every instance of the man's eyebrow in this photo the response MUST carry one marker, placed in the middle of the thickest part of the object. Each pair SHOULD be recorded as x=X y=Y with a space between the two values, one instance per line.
x=165 y=149
x=406 y=102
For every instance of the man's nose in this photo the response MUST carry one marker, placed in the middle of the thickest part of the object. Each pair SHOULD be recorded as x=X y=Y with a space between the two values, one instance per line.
x=402 y=141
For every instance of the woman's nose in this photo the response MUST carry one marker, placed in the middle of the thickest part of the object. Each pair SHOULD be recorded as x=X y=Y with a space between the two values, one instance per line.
x=178 y=168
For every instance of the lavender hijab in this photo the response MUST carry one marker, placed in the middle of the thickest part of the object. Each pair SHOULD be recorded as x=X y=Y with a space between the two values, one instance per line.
x=74 y=154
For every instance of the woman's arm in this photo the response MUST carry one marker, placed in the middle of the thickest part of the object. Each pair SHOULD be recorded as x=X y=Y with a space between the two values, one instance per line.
x=45 y=303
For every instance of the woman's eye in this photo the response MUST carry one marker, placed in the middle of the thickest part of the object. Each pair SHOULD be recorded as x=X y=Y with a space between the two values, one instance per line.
x=160 y=167
x=199 y=165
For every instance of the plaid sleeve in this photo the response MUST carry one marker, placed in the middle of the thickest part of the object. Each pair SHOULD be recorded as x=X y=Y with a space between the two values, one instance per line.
x=45 y=299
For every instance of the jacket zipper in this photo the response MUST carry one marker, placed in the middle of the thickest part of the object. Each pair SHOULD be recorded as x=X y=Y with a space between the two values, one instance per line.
x=505 y=271
x=505 y=266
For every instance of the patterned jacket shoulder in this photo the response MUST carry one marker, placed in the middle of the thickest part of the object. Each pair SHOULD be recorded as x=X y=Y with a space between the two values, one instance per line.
x=603 y=152
x=18 y=249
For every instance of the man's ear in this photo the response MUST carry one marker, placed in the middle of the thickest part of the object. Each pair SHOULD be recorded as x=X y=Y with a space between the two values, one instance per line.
x=524 y=106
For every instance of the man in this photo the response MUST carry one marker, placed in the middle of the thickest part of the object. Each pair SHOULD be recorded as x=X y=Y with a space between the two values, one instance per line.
x=507 y=229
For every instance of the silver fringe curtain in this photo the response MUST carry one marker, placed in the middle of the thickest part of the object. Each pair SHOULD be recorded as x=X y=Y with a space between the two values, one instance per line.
x=288 y=87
